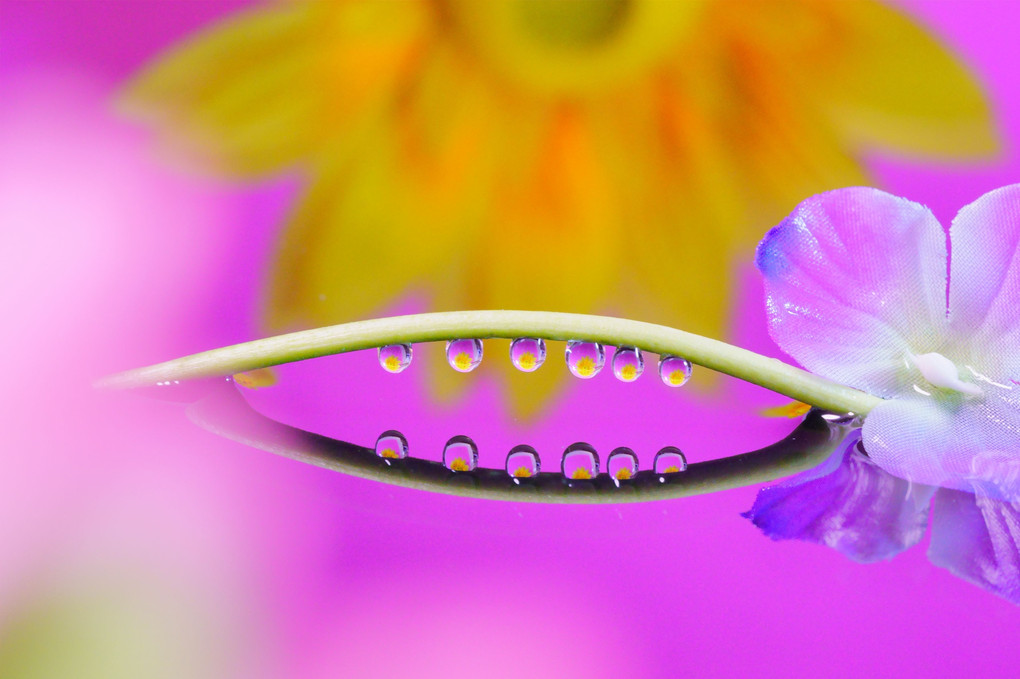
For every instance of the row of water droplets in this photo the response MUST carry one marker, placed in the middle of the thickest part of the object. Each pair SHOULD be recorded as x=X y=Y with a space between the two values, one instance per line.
x=580 y=460
x=584 y=359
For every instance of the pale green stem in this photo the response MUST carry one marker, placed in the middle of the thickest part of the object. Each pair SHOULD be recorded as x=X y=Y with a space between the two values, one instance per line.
x=709 y=353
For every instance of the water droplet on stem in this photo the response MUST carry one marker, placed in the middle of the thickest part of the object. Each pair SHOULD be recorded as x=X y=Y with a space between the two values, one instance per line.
x=527 y=353
x=395 y=357
x=585 y=359
x=464 y=355
x=674 y=371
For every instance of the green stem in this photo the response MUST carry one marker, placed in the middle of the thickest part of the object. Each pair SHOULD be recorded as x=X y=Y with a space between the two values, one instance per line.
x=709 y=353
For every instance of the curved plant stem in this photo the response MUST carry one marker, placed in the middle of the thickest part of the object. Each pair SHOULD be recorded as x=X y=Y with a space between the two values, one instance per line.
x=709 y=353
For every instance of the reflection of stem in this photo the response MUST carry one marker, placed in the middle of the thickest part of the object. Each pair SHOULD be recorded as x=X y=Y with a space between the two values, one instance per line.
x=227 y=413
x=709 y=353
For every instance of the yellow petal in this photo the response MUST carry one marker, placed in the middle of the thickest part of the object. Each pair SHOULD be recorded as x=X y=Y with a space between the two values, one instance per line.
x=270 y=86
x=879 y=76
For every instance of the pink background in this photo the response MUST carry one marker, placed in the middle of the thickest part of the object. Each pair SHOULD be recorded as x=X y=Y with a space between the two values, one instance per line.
x=256 y=566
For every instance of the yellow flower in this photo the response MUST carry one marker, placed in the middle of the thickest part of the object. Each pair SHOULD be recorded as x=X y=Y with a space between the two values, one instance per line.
x=622 y=474
x=522 y=473
x=462 y=361
x=585 y=367
x=392 y=363
x=507 y=153
x=581 y=473
x=671 y=469
x=628 y=373
x=527 y=360
x=676 y=377
x=390 y=454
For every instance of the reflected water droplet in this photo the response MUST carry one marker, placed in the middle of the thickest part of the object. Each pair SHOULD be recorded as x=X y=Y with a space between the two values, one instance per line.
x=460 y=454
x=580 y=461
x=527 y=353
x=464 y=355
x=670 y=460
x=622 y=464
x=522 y=462
x=628 y=364
x=585 y=359
x=391 y=445
x=674 y=371
x=395 y=357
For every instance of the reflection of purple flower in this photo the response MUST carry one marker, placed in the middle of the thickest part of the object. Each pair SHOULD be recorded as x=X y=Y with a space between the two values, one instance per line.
x=856 y=283
x=850 y=504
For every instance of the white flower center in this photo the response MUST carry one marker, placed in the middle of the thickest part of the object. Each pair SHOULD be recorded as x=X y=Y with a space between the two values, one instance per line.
x=941 y=372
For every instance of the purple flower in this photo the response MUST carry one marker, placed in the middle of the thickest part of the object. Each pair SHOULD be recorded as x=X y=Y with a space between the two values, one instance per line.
x=850 y=504
x=858 y=290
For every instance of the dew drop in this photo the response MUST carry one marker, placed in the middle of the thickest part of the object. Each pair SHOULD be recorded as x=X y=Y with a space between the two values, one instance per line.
x=585 y=359
x=670 y=460
x=395 y=358
x=622 y=464
x=580 y=461
x=628 y=364
x=674 y=371
x=522 y=462
x=464 y=355
x=460 y=454
x=527 y=353
x=391 y=445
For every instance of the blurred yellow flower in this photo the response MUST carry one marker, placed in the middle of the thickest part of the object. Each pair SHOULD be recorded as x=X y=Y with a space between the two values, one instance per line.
x=569 y=155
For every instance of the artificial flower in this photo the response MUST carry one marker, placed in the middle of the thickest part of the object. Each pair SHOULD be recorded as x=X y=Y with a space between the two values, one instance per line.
x=850 y=504
x=859 y=290
x=564 y=155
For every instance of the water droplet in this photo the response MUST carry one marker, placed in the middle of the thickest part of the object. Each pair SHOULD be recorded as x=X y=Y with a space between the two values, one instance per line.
x=522 y=462
x=628 y=364
x=580 y=461
x=391 y=445
x=395 y=357
x=460 y=454
x=674 y=371
x=527 y=353
x=464 y=355
x=622 y=464
x=585 y=359
x=670 y=460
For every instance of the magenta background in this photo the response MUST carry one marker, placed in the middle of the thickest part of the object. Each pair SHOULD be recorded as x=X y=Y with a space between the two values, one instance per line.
x=110 y=260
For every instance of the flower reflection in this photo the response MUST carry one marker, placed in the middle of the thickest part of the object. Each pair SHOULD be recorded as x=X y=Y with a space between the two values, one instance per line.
x=851 y=504
x=498 y=154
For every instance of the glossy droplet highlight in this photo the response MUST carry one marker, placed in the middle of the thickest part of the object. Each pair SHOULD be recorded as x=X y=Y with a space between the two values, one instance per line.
x=464 y=355
x=391 y=445
x=395 y=358
x=674 y=371
x=522 y=462
x=670 y=460
x=580 y=461
x=622 y=464
x=628 y=364
x=460 y=454
x=527 y=353
x=585 y=359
